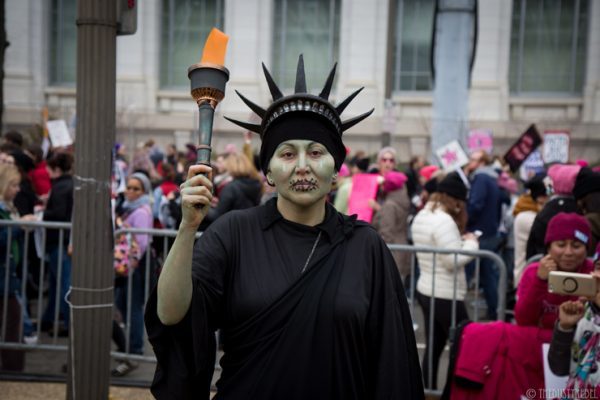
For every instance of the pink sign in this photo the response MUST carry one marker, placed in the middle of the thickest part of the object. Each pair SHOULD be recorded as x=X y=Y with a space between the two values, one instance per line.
x=364 y=188
x=480 y=139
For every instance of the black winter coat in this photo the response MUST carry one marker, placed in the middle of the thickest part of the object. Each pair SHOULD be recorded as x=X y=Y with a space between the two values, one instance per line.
x=59 y=207
x=239 y=194
x=535 y=243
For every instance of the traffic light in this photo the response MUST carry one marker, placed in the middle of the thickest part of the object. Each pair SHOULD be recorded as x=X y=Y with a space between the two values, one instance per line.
x=126 y=17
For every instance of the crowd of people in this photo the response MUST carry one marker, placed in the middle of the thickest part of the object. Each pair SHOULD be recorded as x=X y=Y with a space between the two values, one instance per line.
x=552 y=218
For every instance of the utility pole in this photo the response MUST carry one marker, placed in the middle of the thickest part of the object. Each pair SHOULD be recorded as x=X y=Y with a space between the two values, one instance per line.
x=453 y=53
x=92 y=273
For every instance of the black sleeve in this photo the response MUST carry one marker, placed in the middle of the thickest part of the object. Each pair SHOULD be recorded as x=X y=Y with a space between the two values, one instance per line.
x=394 y=367
x=535 y=242
x=559 y=355
x=60 y=205
x=185 y=352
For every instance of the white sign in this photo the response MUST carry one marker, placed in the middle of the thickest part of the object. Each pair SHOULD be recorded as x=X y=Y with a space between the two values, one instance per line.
x=452 y=156
x=556 y=147
x=59 y=134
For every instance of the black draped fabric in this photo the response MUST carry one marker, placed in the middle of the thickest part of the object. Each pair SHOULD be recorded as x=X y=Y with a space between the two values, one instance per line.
x=340 y=330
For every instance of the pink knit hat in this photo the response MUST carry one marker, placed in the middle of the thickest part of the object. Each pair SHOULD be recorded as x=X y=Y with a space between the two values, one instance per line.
x=505 y=181
x=427 y=171
x=393 y=180
x=344 y=171
x=597 y=253
x=565 y=226
x=563 y=177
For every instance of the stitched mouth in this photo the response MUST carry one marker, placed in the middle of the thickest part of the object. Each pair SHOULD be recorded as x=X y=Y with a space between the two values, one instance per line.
x=304 y=185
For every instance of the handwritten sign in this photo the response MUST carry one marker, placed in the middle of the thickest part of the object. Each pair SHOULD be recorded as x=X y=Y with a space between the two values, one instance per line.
x=452 y=156
x=59 y=133
x=480 y=139
x=556 y=147
x=364 y=188
x=532 y=166
x=522 y=148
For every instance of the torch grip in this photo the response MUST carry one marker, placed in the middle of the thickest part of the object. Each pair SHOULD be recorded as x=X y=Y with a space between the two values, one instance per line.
x=206 y=115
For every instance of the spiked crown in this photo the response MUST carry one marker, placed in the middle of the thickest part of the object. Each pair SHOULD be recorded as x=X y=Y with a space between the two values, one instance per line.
x=300 y=104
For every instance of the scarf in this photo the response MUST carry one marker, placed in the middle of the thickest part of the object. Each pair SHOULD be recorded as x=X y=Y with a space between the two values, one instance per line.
x=525 y=203
x=130 y=206
x=9 y=212
x=584 y=365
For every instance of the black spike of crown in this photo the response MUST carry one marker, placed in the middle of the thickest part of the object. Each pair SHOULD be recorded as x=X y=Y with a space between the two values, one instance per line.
x=300 y=101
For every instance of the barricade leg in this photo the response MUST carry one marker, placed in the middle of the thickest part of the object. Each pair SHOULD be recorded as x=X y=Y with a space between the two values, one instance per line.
x=12 y=360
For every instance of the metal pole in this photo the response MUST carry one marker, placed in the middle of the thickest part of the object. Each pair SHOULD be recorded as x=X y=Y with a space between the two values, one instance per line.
x=454 y=49
x=92 y=279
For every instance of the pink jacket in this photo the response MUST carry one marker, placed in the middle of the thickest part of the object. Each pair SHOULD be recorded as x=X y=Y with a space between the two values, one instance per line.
x=535 y=305
x=500 y=361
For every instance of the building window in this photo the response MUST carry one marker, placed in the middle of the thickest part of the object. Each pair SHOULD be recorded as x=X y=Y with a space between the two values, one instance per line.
x=185 y=27
x=412 y=47
x=309 y=27
x=63 y=42
x=548 y=46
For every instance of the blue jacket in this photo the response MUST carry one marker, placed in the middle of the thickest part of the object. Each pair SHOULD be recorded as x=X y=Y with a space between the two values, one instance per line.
x=483 y=205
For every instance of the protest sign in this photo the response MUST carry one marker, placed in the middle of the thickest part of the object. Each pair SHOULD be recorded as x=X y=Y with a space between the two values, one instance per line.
x=480 y=139
x=364 y=188
x=533 y=165
x=556 y=147
x=59 y=134
x=522 y=148
x=452 y=156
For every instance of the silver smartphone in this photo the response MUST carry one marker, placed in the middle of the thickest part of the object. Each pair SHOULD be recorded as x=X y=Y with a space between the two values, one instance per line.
x=572 y=283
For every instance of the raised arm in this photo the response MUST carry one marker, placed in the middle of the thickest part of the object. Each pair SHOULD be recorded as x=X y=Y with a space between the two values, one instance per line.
x=174 y=290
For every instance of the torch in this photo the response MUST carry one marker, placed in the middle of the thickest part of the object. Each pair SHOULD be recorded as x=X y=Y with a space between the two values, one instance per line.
x=208 y=79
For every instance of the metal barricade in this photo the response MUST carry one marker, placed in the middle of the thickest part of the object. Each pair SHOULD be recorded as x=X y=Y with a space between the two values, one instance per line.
x=457 y=269
x=150 y=271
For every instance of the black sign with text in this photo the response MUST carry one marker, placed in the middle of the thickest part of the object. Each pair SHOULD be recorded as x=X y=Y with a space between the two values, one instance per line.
x=522 y=148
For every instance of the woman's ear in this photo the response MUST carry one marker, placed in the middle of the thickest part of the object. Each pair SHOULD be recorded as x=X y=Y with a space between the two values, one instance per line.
x=334 y=177
x=270 y=181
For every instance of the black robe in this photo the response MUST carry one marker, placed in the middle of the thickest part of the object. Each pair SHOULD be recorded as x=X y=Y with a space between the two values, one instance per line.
x=340 y=330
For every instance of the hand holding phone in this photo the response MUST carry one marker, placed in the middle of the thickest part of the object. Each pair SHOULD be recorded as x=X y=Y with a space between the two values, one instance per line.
x=572 y=284
x=547 y=264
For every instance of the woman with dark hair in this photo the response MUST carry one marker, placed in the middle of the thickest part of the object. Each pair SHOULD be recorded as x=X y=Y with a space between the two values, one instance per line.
x=441 y=224
x=58 y=209
x=309 y=301
x=568 y=236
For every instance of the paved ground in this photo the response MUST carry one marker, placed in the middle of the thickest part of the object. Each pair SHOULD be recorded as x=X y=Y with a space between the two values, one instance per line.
x=56 y=391
x=45 y=368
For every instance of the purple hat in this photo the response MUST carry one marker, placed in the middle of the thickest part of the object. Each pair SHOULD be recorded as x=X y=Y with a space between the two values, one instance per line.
x=568 y=226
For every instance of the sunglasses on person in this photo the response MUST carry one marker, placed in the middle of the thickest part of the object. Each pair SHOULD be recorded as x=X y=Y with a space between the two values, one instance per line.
x=134 y=188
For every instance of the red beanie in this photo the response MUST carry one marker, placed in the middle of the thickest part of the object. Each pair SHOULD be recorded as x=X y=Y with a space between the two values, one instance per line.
x=427 y=171
x=565 y=226
x=597 y=253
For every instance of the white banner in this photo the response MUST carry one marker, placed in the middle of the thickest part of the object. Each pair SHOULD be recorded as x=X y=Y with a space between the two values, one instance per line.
x=59 y=134
x=556 y=147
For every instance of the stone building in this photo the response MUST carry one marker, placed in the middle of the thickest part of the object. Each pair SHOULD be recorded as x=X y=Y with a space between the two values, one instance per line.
x=537 y=61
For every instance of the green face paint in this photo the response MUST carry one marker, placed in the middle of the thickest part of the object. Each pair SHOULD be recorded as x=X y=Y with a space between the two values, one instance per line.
x=302 y=171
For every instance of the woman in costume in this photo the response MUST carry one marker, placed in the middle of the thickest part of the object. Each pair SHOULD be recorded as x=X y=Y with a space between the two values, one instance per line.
x=309 y=301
